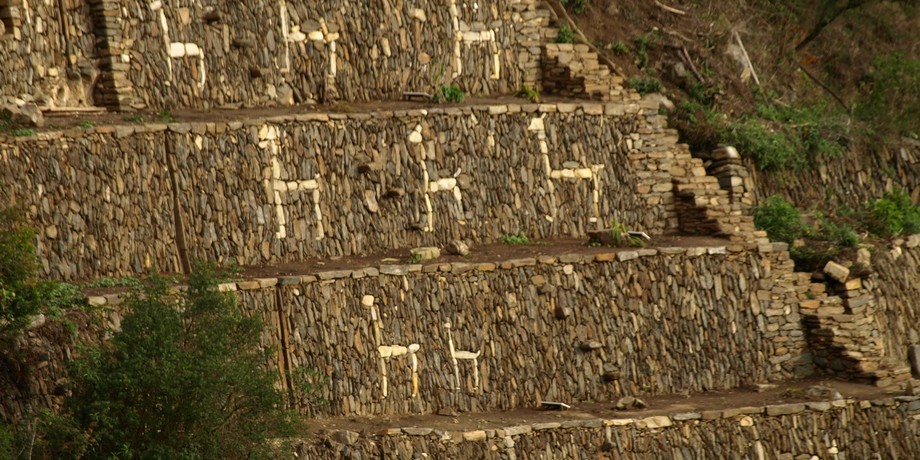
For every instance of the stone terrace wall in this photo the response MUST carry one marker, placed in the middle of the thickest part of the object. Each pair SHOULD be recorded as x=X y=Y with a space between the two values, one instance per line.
x=887 y=428
x=199 y=54
x=850 y=180
x=47 y=52
x=896 y=284
x=115 y=201
x=576 y=328
x=101 y=204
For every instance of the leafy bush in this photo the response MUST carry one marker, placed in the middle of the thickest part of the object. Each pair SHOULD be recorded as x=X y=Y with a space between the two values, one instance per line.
x=577 y=6
x=893 y=100
x=183 y=378
x=780 y=219
x=20 y=294
x=566 y=34
x=644 y=85
x=515 y=238
x=893 y=214
x=449 y=93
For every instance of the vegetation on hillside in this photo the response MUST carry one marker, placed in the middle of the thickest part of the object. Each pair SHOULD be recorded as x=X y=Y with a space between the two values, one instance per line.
x=790 y=83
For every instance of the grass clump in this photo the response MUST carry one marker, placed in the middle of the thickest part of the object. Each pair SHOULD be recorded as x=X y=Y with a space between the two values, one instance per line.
x=619 y=48
x=449 y=93
x=531 y=93
x=620 y=236
x=515 y=238
x=644 y=85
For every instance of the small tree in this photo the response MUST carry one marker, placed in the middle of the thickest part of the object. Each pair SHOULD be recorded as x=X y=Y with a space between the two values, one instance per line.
x=780 y=219
x=184 y=378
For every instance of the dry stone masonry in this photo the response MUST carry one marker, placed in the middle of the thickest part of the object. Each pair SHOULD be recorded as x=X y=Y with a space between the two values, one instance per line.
x=169 y=54
x=424 y=338
x=119 y=200
x=835 y=429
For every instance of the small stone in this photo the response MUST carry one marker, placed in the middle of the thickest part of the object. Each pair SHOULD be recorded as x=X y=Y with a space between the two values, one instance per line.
x=629 y=403
x=836 y=271
x=345 y=437
x=457 y=248
x=912 y=241
x=913 y=357
x=447 y=412
x=426 y=253
x=823 y=392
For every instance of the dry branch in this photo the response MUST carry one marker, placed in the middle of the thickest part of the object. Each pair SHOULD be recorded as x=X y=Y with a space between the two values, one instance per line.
x=746 y=57
x=670 y=9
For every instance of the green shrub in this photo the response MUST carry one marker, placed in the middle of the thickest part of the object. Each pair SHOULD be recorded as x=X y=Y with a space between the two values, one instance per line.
x=892 y=102
x=780 y=219
x=449 y=93
x=183 y=378
x=577 y=6
x=644 y=85
x=893 y=214
x=515 y=238
x=566 y=34
x=770 y=149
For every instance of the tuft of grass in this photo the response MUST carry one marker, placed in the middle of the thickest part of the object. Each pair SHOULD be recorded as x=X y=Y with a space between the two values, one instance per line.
x=619 y=48
x=644 y=43
x=415 y=258
x=87 y=124
x=531 y=93
x=166 y=116
x=135 y=118
x=621 y=237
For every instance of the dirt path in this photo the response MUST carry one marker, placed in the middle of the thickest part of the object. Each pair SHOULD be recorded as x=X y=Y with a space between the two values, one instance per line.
x=782 y=393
